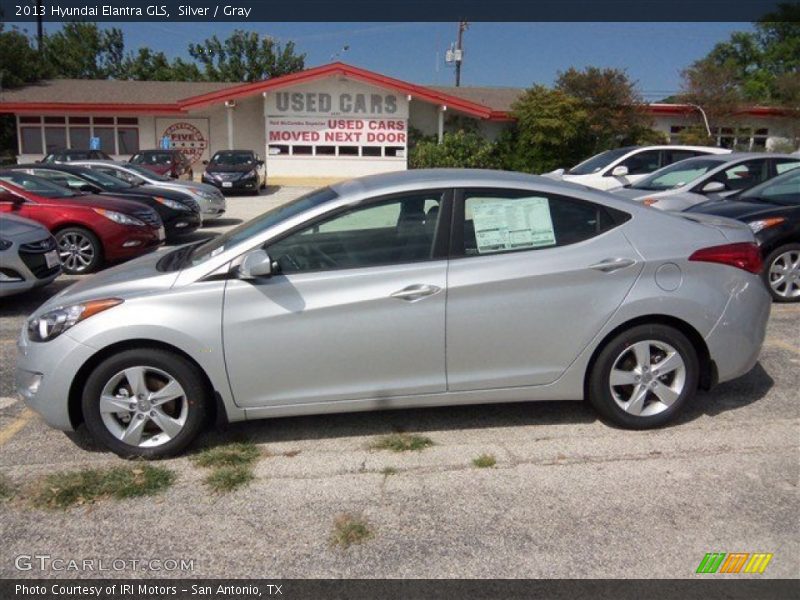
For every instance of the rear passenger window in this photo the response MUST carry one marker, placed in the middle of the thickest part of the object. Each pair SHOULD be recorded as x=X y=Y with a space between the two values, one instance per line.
x=498 y=221
x=642 y=162
x=673 y=156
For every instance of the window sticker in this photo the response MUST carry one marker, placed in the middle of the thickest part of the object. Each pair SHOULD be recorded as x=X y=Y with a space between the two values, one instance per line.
x=503 y=224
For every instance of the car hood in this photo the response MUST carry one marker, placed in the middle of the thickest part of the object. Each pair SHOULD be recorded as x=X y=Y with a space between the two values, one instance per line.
x=12 y=226
x=738 y=209
x=213 y=168
x=153 y=190
x=110 y=202
x=135 y=278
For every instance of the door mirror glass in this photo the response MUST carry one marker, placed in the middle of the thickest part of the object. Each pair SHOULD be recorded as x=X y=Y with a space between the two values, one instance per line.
x=255 y=264
x=713 y=187
x=619 y=171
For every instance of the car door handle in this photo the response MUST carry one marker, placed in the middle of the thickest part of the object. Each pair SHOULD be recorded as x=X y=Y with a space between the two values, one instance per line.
x=609 y=265
x=416 y=292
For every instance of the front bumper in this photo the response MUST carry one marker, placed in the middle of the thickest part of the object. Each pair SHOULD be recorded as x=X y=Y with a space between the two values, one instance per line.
x=44 y=375
x=735 y=341
x=238 y=185
x=183 y=224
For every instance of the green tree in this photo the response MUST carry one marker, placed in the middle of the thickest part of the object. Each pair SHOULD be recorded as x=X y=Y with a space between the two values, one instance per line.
x=245 y=56
x=615 y=111
x=83 y=51
x=550 y=132
x=147 y=65
x=20 y=62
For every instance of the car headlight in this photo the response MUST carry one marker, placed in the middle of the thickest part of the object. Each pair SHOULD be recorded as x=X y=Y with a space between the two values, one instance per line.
x=119 y=217
x=53 y=323
x=252 y=173
x=173 y=204
x=5 y=244
x=206 y=195
x=762 y=224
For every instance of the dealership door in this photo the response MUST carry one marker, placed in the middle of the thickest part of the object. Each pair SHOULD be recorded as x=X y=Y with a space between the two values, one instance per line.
x=356 y=312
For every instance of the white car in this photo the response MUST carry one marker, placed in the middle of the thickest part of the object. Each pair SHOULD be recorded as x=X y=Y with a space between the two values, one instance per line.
x=623 y=166
x=695 y=180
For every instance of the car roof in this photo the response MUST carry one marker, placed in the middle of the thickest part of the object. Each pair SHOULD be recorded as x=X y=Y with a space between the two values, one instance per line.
x=448 y=178
x=52 y=166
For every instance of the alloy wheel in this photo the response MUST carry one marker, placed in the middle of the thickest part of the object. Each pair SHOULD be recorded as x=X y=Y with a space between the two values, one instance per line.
x=144 y=406
x=76 y=251
x=647 y=378
x=784 y=274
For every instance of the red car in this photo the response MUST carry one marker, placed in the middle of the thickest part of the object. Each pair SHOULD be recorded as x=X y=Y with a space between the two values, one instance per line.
x=90 y=230
x=170 y=163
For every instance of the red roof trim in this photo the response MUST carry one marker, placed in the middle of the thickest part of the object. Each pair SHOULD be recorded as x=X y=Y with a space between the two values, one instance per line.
x=22 y=108
x=341 y=69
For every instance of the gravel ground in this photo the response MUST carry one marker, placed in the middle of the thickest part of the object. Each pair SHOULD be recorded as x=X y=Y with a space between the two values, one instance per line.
x=569 y=495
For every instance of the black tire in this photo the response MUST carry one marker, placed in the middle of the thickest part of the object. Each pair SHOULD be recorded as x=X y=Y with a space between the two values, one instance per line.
x=765 y=274
x=197 y=398
x=73 y=264
x=600 y=390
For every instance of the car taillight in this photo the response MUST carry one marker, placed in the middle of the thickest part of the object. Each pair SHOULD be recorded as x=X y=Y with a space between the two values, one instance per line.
x=743 y=255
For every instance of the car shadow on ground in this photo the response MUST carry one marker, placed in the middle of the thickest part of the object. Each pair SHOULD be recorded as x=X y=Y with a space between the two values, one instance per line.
x=222 y=222
x=27 y=302
x=729 y=396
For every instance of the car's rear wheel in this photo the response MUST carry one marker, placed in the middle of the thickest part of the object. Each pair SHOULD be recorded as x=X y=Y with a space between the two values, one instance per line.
x=145 y=403
x=79 y=250
x=782 y=273
x=644 y=376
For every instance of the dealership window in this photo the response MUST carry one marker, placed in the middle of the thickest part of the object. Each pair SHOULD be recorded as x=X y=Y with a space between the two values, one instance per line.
x=31 y=140
x=118 y=135
x=307 y=150
x=326 y=150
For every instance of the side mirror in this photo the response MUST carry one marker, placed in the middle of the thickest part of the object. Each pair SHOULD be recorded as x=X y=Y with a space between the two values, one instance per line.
x=713 y=187
x=619 y=171
x=255 y=265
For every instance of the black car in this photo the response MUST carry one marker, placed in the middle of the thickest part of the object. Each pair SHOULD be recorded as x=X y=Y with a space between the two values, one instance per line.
x=772 y=210
x=179 y=212
x=236 y=171
x=70 y=154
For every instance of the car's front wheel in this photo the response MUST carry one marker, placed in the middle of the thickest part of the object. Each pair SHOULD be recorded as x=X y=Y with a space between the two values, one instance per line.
x=644 y=376
x=79 y=250
x=146 y=403
x=782 y=273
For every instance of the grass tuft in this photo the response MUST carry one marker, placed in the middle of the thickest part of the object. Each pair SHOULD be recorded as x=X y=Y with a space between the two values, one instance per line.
x=6 y=489
x=386 y=471
x=349 y=529
x=62 y=490
x=230 y=455
x=484 y=461
x=401 y=442
x=226 y=479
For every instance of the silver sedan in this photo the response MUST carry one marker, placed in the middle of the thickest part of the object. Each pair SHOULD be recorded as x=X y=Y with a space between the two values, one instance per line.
x=689 y=182
x=413 y=289
x=28 y=255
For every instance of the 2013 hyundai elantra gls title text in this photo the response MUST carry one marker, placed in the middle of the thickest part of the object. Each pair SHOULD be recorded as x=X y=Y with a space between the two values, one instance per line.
x=412 y=289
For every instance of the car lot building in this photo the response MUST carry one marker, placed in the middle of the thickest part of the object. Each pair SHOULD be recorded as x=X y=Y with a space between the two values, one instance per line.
x=328 y=122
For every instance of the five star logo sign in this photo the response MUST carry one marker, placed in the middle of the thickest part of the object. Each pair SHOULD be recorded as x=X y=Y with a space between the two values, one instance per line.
x=734 y=562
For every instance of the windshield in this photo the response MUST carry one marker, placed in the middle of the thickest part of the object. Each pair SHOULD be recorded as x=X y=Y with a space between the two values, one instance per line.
x=677 y=175
x=233 y=158
x=107 y=182
x=261 y=223
x=146 y=173
x=37 y=185
x=784 y=189
x=598 y=162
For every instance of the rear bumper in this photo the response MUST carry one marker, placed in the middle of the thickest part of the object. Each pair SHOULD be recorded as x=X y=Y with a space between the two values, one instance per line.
x=735 y=341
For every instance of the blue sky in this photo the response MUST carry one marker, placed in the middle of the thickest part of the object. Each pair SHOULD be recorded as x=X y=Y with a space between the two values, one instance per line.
x=500 y=54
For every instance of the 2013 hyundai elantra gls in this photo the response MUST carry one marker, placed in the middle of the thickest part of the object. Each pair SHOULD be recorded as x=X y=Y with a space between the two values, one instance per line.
x=411 y=289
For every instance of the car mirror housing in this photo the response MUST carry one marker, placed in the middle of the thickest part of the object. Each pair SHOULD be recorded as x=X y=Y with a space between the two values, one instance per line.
x=619 y=171
x=256 y=264
x=712 y=187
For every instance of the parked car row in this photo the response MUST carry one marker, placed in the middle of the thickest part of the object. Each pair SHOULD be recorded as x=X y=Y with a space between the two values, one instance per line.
x=229 y=170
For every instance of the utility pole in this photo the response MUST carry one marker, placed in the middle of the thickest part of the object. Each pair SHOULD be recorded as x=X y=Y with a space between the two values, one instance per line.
x=459 y=54
x=455 y=54
x=39 y=29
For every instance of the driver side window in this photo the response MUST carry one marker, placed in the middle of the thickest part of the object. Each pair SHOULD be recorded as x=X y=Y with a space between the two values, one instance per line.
x=392 y=231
